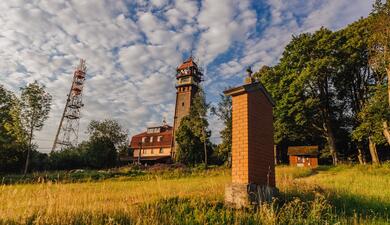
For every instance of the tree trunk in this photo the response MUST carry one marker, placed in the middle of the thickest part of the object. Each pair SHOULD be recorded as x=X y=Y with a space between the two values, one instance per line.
x=373 y=151
x=388 y=83
x=28 y=152
x=361 y=157
x=331 y=142
x=276 y=154
x=386 y=131
x=205 y=148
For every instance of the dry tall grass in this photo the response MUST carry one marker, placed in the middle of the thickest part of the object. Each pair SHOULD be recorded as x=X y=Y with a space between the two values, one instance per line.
x=357 y=195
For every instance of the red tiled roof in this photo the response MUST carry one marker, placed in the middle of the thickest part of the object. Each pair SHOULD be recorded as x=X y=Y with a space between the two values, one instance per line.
x=188 y=63
x=165 y=142
x=302 y=150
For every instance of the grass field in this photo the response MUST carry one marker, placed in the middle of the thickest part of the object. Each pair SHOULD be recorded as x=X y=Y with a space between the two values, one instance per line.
x=329 y=195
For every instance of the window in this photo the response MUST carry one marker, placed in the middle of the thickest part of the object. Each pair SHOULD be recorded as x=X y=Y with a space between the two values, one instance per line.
x=151 y=139
x=154 y=130
x=161 y=150
x=143 y=139
x=185 y=80
x=300 y=159
x=159 y=138
x=182 y=104
x=151 y=151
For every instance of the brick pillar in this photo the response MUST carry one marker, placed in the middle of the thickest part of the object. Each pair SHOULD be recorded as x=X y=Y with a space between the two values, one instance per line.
x=253 y=163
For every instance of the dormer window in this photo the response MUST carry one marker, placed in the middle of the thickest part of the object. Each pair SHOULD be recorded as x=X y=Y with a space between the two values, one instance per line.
x=153 y=130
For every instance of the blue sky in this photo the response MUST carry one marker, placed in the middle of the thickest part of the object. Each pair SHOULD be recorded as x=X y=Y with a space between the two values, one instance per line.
x=133 y=47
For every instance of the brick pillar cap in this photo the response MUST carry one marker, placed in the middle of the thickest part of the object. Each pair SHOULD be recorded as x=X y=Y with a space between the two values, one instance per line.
x=251 y=87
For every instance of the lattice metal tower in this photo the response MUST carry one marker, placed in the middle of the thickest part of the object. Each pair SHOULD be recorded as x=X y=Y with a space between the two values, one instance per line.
x=67 y=133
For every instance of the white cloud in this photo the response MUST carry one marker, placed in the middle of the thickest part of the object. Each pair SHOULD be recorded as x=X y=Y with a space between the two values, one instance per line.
x=222 y=25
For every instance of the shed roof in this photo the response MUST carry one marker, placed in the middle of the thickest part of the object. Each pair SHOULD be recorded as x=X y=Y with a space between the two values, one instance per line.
x=303 y=150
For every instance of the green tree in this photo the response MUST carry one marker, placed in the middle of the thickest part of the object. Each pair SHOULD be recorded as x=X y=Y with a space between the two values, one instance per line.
x=371 y=117
x=110 y=129
x=12 y=136
x=101 y=153
x=35 y=105
x=356 y=77
x=194 y=126
x=223 y=111
x=305 y=99
x=189 y=144
x=380 y=50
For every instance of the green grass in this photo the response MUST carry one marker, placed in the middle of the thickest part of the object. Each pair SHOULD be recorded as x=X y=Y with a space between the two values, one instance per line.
x=328 y=195
x=123 y=173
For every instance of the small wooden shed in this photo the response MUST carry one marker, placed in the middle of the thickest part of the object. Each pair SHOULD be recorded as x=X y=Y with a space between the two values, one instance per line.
x=303 y=156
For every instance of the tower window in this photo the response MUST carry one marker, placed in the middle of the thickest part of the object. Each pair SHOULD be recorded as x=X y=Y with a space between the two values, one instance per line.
x=182 y=104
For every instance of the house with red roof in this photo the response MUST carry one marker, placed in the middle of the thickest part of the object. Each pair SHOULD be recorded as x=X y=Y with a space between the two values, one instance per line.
x=153 y=145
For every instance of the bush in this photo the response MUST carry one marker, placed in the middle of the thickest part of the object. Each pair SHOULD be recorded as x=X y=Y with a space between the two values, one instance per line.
x=101 y=153
x=70 y=158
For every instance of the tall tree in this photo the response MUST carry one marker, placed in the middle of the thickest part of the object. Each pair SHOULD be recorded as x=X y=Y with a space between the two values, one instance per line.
x=109 y=129
x=12 y=136
x=189 y=145
x=380 y=50
x=6 y=104
x=356 y=77
x=194 y=125
x=307 y=70
x=371 y=117
x=35 y=105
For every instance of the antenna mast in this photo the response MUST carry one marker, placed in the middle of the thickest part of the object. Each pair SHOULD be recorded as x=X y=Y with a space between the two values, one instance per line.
x=67 y=133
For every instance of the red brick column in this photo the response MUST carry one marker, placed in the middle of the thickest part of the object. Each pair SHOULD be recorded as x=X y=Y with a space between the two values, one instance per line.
x=253 y=164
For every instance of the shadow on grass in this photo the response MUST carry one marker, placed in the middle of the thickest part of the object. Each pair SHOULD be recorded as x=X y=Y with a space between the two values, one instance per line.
x=346 y=204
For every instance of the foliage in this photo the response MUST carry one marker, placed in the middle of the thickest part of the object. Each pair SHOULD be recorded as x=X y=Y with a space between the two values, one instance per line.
x=13 y=139
x=380 y=38
x=69 y=158
x=305 y=99
x=189 y=146
x=106 y=139
x=326 y=90
x=372 y=117
x=192 y=135
x=35 y=105
x=101 y=153
x=109 y=129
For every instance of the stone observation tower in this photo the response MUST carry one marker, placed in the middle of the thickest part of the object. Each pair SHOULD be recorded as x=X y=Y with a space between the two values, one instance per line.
x=188 y=79
x=253 y=169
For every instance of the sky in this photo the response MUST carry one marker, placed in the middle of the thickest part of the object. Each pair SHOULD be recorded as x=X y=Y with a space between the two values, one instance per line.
x=133 y=47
